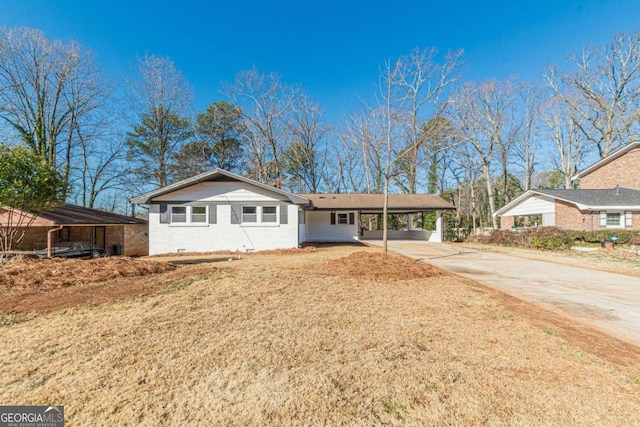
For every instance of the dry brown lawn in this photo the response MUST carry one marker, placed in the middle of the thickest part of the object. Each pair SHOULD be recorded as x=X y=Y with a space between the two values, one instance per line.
x=333 y=336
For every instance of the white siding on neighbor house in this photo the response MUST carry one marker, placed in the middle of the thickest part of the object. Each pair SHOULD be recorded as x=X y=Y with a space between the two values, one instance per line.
x=549 y=219
x=533 y=205
x=171 y=238
x=319 y=227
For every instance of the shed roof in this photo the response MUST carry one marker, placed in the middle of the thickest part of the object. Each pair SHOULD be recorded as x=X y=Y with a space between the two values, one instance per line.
x=78 y=215
x=375 y=202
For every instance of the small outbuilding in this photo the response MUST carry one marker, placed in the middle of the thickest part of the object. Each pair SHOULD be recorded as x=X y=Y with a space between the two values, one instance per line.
x=116 y=234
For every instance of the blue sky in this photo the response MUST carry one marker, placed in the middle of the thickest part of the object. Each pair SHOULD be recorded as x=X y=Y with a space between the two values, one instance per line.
x=331 y=48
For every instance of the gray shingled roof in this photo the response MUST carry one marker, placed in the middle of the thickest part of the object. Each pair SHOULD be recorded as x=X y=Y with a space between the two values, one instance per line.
x=597 y=198
x=72 y=214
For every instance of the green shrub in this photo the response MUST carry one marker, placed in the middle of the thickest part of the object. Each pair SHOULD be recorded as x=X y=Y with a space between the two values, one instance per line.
x=624 y=236
x=552 y=238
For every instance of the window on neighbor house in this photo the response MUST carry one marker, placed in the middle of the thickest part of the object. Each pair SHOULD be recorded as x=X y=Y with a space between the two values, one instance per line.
x=615 y=219
x=198 y=214
x=178 y=214
x=342 y=218
x=249 y=214
x=269 y=214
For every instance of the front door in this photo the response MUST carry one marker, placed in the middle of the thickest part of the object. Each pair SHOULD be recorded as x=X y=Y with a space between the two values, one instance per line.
x=99 y=237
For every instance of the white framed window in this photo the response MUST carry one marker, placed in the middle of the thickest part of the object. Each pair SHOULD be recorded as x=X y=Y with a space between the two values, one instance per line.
x=343 y=218
x=198 y=214
x=186 y=215
x=249 y=214
x=269 y=214
x=178 y=214
x=614 y=219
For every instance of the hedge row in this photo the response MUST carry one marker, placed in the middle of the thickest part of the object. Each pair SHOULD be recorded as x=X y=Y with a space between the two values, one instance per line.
x=539 y=238
x=556 y=238
x=624 y=236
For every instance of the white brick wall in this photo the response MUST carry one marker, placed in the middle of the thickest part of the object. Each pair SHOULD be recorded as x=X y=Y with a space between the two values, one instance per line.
x=222 y=236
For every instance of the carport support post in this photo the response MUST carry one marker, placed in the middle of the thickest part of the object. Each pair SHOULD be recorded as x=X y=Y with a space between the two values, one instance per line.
x=50 y=239
x=439 y=232
x=409 y=222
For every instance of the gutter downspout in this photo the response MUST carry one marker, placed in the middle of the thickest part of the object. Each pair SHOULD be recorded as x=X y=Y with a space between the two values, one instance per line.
x=50 y=238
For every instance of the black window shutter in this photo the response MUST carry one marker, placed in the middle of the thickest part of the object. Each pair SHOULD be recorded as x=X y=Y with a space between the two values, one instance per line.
x=213 y=213
x=352 y=218
x=333 y=218
x=164 y=218
x=284 y=213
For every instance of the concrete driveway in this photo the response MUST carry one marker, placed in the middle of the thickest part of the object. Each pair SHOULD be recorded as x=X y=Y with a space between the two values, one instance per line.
x=609 y=301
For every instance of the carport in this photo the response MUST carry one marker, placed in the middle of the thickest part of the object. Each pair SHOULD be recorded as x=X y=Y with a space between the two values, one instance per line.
x=328 y=212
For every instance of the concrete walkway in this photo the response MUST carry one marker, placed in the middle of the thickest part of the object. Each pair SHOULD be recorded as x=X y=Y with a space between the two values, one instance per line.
x=609 y=301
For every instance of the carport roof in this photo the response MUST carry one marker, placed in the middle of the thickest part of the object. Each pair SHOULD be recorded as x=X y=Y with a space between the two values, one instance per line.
x=78 y=215
x=374 y=202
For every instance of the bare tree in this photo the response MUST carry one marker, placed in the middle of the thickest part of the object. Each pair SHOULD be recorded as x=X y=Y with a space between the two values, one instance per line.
x=422 y=83
x=343 y=171
x=102 y=168
x=604 y=91
x=267 y=105
x=161 y=104
x=483 y=118
x=526 y=143
x=563 y=126
x=48 y=90
x=305 y=156
x=364 y=133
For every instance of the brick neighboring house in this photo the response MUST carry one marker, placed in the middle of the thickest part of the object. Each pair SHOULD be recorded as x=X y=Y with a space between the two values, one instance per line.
x=113 y=232
x=608 y=197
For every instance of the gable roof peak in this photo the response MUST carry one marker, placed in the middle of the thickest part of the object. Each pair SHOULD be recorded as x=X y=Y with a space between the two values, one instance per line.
x=611 y=157
x=210 y=176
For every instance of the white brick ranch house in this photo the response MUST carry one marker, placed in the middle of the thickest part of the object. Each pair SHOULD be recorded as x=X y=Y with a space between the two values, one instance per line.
x=219 y=210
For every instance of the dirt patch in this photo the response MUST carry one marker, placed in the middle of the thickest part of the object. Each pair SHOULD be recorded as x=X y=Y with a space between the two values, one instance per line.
x=231 y=254
x=42 y=286
x=367 y=265
x=58 y=273
x=45 y=300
